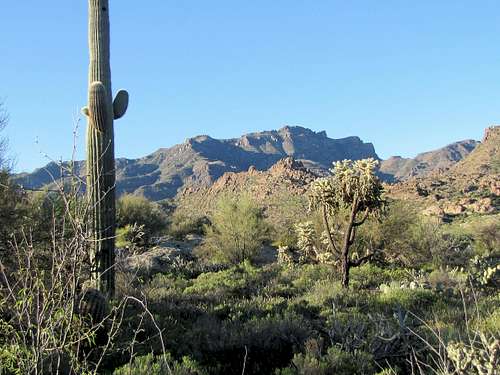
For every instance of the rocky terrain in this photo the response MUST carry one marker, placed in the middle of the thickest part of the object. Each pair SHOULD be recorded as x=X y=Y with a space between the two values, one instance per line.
x=281 y=191
x=470 y=186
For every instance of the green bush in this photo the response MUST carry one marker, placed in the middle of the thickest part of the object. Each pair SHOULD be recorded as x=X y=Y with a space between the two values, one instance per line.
x=237 y=231
x=241 y=280
x=411 y=240
x=13 y=208
x=134 y=210
x=370 y=276
x=130 y=236
x=183 y=223
x=335 y=361
x=486 y=235
x=151 y=365
x=409 y=299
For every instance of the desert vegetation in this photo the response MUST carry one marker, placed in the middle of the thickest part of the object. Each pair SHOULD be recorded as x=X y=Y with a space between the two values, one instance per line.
x=284 y=270
x=425 y=302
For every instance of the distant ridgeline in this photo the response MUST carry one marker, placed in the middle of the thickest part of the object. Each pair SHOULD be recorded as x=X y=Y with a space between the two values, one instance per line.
x=200 y=161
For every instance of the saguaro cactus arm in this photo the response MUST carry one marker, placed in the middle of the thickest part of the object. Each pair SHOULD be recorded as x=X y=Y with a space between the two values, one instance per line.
x=85 y=111
x=98 y=106
x=120 y=104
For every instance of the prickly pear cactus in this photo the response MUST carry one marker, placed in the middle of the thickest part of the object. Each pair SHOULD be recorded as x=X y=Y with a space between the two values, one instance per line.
x=101 y=111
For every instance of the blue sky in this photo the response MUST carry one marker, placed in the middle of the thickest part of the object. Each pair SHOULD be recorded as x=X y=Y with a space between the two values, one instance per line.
x=409 y=76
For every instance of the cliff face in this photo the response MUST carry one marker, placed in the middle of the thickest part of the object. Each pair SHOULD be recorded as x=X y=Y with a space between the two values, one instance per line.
x=201 y=160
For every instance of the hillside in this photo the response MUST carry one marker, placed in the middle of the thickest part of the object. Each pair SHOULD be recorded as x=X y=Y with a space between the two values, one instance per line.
x=201 y=160
x=397 y=168
x=470 y=186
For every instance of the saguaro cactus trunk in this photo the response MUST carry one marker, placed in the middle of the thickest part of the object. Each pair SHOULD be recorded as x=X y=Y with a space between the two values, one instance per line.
x=101 y=111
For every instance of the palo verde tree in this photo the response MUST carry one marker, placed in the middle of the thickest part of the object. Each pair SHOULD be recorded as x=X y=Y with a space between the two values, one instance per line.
x=101 y=111
x=353 y=187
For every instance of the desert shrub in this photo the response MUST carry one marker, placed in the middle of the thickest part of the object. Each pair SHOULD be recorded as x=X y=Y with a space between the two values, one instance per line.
x=334 y=361
x=160 y=365
x=134 y=210
x=305 y=276
x=288 y=210
x=411 y=240
x=406 y=238
x=323 y=292
x=237 y=231
x=183 y=223
x=130 y=237
x=410 y=299
x=267 y=343
x=487 y=236
x=241 y=280
x=13 y=208
x=370 y=276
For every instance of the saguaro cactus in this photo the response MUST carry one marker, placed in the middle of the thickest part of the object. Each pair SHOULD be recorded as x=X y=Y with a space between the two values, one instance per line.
x=101 y=111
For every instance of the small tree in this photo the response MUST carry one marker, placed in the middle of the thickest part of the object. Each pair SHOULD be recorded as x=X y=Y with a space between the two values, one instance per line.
x=237 y=230
x=353 y=187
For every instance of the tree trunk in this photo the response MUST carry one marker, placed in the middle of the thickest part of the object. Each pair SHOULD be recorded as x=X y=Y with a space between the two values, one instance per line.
x=348 y=240
x=328 y=232
x=345 y=271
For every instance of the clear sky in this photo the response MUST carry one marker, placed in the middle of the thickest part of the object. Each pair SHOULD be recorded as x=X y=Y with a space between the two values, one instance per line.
x=407 y=75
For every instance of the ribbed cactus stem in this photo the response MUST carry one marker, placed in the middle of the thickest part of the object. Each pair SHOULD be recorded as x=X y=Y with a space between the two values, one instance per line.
x=92 y=306
x=101 y=111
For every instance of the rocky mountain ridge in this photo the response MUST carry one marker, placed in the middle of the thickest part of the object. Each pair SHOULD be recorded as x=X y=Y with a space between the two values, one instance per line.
x=199 y=161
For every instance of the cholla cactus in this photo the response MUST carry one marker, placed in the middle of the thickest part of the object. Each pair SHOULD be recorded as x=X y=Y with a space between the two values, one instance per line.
x=285 y=257
x=305 y=241
x=355 y=181
x=352 y=186
x=101 y=111
x=321 y=194
x=481 y=358
x=489 y=274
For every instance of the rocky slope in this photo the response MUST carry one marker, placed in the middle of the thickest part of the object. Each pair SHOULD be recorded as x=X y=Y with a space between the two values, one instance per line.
x=470 y=186
x=287 y=177
x=281 y=191
x=397 y=168
x=201 y=160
